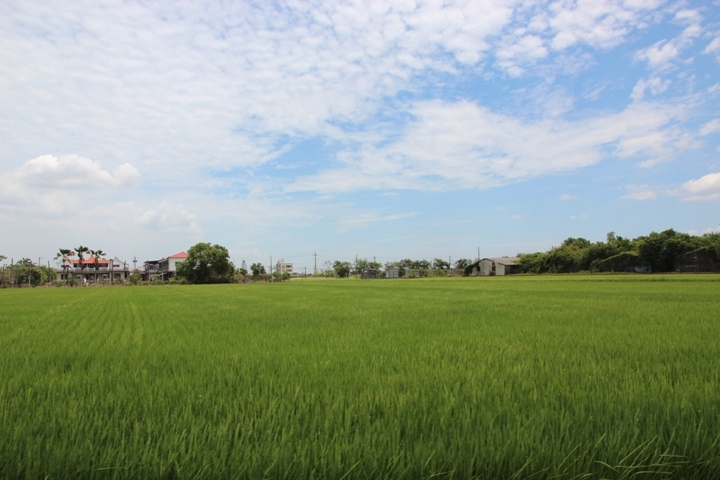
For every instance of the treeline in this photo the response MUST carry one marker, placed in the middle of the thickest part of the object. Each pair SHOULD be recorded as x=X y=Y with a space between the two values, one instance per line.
x=25 y=273
x=667 y=251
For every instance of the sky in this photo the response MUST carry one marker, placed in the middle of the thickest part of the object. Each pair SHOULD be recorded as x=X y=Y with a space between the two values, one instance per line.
x=317 y=131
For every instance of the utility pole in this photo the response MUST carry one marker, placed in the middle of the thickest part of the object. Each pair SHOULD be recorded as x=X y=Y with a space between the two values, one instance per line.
x=478 y=254
x=315 y=271
x=270 y=264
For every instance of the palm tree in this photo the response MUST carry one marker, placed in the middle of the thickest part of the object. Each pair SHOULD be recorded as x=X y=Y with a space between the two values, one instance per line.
x=63 y=254
x=96 y=260
x=80 y=251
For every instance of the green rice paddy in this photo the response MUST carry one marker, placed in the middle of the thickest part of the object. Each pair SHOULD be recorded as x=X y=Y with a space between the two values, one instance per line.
x=526 y=377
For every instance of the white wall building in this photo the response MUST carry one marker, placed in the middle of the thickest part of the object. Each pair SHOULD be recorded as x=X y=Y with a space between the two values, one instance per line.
x=283 y=267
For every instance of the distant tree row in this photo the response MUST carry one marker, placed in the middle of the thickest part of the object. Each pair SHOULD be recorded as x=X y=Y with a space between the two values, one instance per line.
x=656 y=252
x=24 y=273
x=406 y=267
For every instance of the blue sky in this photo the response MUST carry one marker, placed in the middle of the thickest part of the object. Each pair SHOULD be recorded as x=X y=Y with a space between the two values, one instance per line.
x=377 y=129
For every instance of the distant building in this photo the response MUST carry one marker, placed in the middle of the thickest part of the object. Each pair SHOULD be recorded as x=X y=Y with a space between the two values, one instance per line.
x=498 y=266
x=165 y=267
x=392 y=272
x=283 y=267
x=371 y=274
x=90 y=272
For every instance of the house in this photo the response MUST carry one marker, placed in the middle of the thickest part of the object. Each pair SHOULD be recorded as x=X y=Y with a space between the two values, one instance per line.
x=497 y=266
x=165 y=268
x=90 y=271
x=283 y=267
x=392 y=272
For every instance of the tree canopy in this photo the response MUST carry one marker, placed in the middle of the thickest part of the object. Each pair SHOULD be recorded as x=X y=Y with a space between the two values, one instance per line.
x=656 y=252
x=205 y=263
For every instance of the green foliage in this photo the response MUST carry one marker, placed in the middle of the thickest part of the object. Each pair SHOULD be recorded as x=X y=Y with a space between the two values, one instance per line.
x=660 y=250
x=576 y=377
x=257 y=269
x=440 y=264
x=206 y=262
x=342 y=269
x=462 y=263
x=657 y=252
x=135 y=278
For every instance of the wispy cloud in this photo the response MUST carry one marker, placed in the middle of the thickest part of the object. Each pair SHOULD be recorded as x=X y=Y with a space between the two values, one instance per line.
x=464 y=145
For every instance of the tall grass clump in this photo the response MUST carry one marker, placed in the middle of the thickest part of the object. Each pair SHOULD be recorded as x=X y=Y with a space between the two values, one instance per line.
x=529 y=377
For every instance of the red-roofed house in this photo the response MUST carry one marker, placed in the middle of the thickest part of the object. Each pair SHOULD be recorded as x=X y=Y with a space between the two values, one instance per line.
x=165 y=267
x=89 y=273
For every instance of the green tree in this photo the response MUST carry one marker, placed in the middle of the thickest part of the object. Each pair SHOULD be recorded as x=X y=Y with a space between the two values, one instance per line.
x=257 y=269
x=206 y=262
x=361 y=266
x=342 y=269
x=135 y=278
x=660 y=250
x=26 y=273
x=462 y=263
x=440 y=264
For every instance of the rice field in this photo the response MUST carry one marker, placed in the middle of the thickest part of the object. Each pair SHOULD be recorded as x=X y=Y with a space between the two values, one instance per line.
x=528 y=377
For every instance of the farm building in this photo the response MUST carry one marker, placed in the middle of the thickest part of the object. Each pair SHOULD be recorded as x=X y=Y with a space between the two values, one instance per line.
x=497 y=266
x=392 y=272
x=371 y=274
x=701 y=260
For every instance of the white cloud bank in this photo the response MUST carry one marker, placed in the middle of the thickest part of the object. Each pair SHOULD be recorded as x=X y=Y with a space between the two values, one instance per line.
x=465 y=145
x=73 y=172
x=704 y=188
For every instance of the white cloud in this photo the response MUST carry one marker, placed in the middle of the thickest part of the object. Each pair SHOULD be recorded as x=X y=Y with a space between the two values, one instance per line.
x=566 y=198
x=249 y=83
x=73 y=172
x=704 y=188
x=360 y=220
x=640 y=195
x=705 y=231
x=520 y=50
x=656 y=85
x=600 y=23
x=661 y=54
x=713 y=126
x=583 y=216
x=713 y=48
x=169 y=217
x=464 y=145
